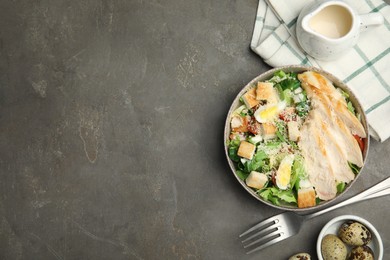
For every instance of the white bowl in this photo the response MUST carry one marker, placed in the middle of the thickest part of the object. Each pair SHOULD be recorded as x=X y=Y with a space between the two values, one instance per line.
x=333 y=225
x=265 y=76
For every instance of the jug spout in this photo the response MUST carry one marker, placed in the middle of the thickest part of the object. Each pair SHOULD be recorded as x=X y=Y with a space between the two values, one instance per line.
x=306 y=24
x=311 y=21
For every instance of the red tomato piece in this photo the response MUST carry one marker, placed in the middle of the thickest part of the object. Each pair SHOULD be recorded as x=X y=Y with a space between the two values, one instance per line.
x=254 y=127
x=360 y=142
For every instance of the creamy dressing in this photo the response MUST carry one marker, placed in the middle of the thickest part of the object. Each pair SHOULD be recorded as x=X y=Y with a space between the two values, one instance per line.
x=333 y=21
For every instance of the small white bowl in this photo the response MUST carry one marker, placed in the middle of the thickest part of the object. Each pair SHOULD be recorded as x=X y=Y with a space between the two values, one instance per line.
x=333 y=226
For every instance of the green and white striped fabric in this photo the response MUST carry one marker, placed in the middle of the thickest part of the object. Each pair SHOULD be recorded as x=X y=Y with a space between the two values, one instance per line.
x=365 y=68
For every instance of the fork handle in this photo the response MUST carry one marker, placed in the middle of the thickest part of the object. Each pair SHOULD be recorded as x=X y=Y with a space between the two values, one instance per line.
x=373 y=192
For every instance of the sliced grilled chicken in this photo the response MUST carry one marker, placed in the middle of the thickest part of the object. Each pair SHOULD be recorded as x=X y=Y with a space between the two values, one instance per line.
x=329 y=95
x=326 y=138
x=317 y=164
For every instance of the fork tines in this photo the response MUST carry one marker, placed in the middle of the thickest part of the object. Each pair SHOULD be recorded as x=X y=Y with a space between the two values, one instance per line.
x=263 y=234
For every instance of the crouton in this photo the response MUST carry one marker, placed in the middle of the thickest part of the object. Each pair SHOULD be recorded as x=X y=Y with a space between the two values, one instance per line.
x=265 y=91
x=246 y=150
x=306 y=197
x=293 y=130
x=269 y=131
x=256 y=180
x=249 y=98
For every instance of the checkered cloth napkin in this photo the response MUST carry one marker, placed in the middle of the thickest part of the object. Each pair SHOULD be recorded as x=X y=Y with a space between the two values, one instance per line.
x=365 y=68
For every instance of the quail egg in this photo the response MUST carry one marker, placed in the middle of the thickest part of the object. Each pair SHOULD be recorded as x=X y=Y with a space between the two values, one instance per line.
x=300 y=256
x=361 y=253
x=354 y=233
x=332 y=248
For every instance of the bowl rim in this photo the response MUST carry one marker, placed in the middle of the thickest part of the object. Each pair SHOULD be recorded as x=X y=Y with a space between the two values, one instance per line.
x=297 y=69
x=374 y=231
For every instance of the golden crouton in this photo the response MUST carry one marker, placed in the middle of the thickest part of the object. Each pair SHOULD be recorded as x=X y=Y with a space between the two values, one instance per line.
x=293 y=130
x=306 y=197
x=249 y=98
x=246 y=150
x=269 y=131
x=256 y=180
x=265 y=91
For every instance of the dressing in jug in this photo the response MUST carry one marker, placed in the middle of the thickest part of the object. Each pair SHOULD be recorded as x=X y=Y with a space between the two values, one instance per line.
x=328 y=29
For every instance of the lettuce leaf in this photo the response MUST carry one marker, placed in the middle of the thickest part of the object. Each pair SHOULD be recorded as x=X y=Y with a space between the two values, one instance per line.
x=341 y=187
x=297 y=173
x=275 y=196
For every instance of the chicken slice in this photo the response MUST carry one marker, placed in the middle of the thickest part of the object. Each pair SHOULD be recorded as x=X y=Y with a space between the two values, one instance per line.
x=336 y=154
x=327 y=141
x=317 y=164
x=330 y=95
x=340 y=134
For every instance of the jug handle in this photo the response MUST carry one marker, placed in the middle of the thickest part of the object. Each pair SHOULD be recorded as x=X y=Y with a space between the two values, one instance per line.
x=371 y=19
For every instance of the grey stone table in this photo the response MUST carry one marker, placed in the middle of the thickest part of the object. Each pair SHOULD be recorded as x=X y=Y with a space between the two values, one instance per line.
x=111 y=130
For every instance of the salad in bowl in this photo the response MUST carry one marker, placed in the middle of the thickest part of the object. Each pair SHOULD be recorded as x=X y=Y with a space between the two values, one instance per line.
x=296 y=137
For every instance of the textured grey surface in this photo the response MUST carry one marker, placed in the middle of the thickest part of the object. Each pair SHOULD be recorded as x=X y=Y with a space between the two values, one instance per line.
x=112 y=115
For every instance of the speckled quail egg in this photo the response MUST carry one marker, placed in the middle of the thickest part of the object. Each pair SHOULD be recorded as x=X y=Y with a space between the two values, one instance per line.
x=361 y=253
x=332 y=248
x=354 y=233
x=300 y=256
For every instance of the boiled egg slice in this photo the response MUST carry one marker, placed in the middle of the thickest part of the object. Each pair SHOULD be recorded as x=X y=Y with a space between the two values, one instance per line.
x=267 y=113
x=283 y=175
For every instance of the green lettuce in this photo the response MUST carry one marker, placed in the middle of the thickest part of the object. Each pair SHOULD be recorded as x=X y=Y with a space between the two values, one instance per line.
x=275 y=195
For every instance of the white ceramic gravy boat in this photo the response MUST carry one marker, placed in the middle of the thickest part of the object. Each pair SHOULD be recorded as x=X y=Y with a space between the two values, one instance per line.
x=327 y=29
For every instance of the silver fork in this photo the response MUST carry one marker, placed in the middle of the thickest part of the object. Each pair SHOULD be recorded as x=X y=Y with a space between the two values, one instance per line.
x=288 y=224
